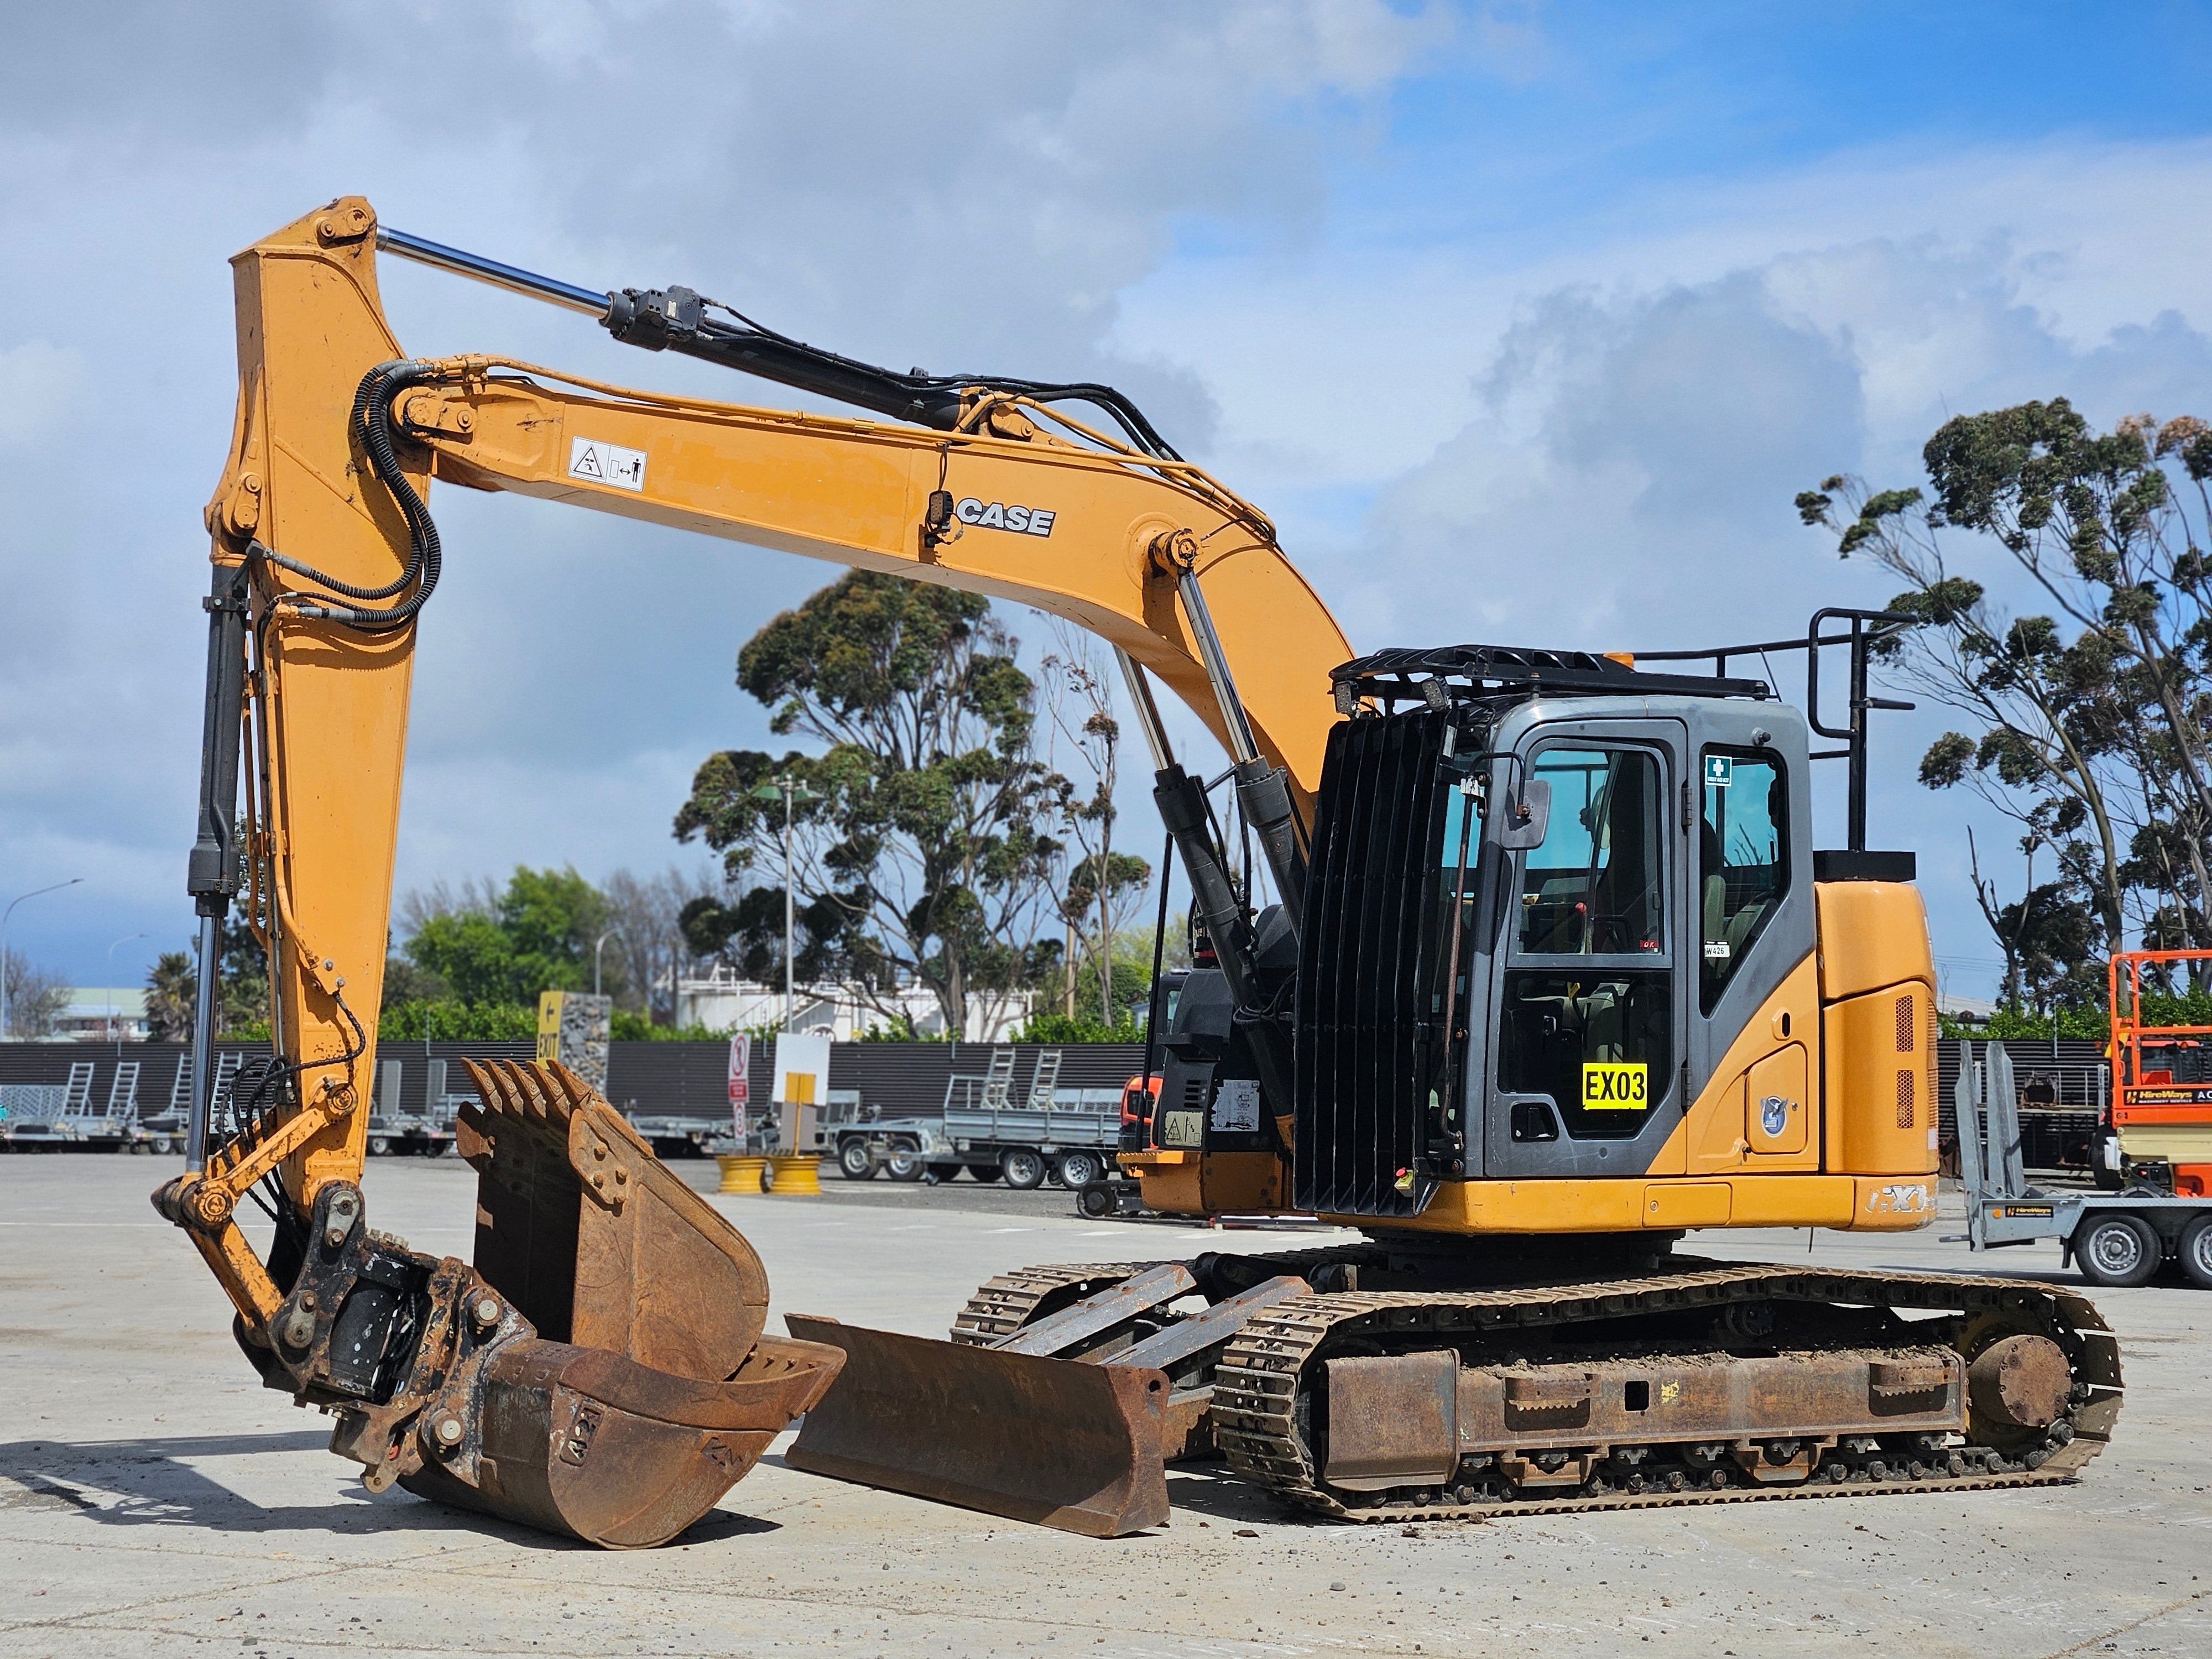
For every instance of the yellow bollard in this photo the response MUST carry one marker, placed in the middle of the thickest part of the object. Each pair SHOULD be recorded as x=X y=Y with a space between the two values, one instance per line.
x=795 y=1173
x=743 y=1172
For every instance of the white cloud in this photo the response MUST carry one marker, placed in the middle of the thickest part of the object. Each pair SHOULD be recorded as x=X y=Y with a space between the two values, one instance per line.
x=965 y=186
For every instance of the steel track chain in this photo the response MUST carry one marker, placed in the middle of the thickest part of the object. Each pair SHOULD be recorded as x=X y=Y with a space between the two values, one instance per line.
x=1255 y=1386
x=1006 y=1303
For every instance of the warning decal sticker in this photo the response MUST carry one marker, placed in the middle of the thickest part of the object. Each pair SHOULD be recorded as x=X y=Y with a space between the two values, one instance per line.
x=1236 y=1108
x=596 y=461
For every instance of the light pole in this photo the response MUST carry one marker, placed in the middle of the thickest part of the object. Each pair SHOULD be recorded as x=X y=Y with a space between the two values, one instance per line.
x=612 y=933
x=4 y=916
x=112 y=1034
x=793 y=793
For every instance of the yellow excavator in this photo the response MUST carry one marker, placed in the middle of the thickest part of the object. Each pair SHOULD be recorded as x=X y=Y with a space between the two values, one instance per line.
x=1553 y=975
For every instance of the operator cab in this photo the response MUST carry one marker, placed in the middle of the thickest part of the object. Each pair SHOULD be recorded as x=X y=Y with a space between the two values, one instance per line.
x=1543 y=903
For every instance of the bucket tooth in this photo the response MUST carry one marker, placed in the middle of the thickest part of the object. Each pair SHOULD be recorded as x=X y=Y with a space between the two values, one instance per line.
x=1060 y=1443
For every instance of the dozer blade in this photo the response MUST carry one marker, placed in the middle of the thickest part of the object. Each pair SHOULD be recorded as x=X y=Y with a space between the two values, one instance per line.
x=637 y=1388
x=1061 y=1442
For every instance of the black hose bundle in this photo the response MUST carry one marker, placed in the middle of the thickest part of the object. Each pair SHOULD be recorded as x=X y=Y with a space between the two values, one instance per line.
x=372 y=421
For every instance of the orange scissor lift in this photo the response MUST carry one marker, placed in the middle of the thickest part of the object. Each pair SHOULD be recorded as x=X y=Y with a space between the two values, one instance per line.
x=2161 y=1103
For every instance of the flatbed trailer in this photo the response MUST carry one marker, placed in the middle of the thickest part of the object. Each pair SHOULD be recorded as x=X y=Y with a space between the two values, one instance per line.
x=2121 y=1238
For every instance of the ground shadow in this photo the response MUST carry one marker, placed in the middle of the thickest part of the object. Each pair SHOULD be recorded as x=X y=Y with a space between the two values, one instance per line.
x=154 y=1483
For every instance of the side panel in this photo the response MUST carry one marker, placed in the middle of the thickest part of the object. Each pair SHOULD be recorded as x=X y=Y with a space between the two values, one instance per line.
x=1881 y=1081
x=1774 y=1056
x=1877 y=985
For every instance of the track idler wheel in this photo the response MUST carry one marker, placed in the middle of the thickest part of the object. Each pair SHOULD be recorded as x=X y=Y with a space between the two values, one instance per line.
x=2018 y=1383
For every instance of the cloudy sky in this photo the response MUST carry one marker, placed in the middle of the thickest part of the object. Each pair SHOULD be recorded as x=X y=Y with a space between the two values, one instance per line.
x=1525 y=322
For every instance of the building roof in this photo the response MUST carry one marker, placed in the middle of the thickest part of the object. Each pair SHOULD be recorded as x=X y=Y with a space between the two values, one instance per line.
x=85 y=1001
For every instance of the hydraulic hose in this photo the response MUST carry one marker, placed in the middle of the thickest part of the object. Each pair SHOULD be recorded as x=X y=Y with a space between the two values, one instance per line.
x=372 y=420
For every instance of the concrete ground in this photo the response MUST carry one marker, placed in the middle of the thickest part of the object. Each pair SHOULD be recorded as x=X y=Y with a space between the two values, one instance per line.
x=154 y=1500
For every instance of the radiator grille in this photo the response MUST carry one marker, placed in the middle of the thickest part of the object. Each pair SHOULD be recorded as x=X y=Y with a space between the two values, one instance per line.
x=1364 y=1024
x=1905 y=1024
x=1906 y=1094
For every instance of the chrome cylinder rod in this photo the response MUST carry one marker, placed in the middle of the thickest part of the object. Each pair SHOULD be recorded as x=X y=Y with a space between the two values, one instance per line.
x=1237 y=728
x=515 y=280
x=1148 y=711
x=201 y=1057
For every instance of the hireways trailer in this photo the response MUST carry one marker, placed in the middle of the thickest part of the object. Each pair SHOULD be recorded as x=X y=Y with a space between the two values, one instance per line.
x=2122 y=1238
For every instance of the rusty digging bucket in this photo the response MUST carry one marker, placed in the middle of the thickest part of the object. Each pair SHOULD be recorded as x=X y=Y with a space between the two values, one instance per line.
x=635 y=1387
x=1059 y=1442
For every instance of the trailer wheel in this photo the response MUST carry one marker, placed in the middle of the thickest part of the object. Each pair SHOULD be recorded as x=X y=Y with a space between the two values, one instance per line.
x=380 y=1147
x=986 y=1173
x=856 y=1161
x=2197 y=1252
x=2118 y=1249
x=904 y=1163
x=1078 y=1169
x=1023 y=1168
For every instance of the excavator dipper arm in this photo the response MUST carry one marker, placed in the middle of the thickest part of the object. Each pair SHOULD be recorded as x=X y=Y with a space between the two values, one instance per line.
x=600 y=1369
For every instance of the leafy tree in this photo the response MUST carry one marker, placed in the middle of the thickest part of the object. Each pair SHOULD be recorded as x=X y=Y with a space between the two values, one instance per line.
x=747 y=933
x=537 y=935
x=242 y=1007
x=2094 y=718
x=1103 y=885
x=654 y=948
x=407 y=981
x=923 y=857
x=172 y=989
x=1095 y=915
x=445 y=1020
x=36 y=997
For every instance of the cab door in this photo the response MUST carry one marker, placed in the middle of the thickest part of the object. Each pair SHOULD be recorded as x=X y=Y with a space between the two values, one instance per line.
x=1754 y=1041
x=1591 y=982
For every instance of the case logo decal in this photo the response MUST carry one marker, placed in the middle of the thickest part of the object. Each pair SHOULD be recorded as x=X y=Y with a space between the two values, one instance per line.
x=999 y=515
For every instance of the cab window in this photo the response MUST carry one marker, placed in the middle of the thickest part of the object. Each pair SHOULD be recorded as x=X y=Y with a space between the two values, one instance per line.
x=1601 y=1045
x=1594 y=888
x=1744 y=861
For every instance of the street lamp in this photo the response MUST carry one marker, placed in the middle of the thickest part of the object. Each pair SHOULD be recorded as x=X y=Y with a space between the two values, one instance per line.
x=791 y=791
x=612 y=933
x=4 y=915
x=112 y=1034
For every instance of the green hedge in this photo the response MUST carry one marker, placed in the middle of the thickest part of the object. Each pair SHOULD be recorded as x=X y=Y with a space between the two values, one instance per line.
x=2083 y=1023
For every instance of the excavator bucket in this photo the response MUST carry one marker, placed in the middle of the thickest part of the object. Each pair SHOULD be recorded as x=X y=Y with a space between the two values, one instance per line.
x=1061 y=1442
x=636 y=1387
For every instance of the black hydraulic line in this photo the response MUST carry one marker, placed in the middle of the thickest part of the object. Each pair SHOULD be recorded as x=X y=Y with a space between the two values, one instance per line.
x=211 y=876
x=1184 y=810
x=372 y=420
x=1159 y=953
x=674 y=319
